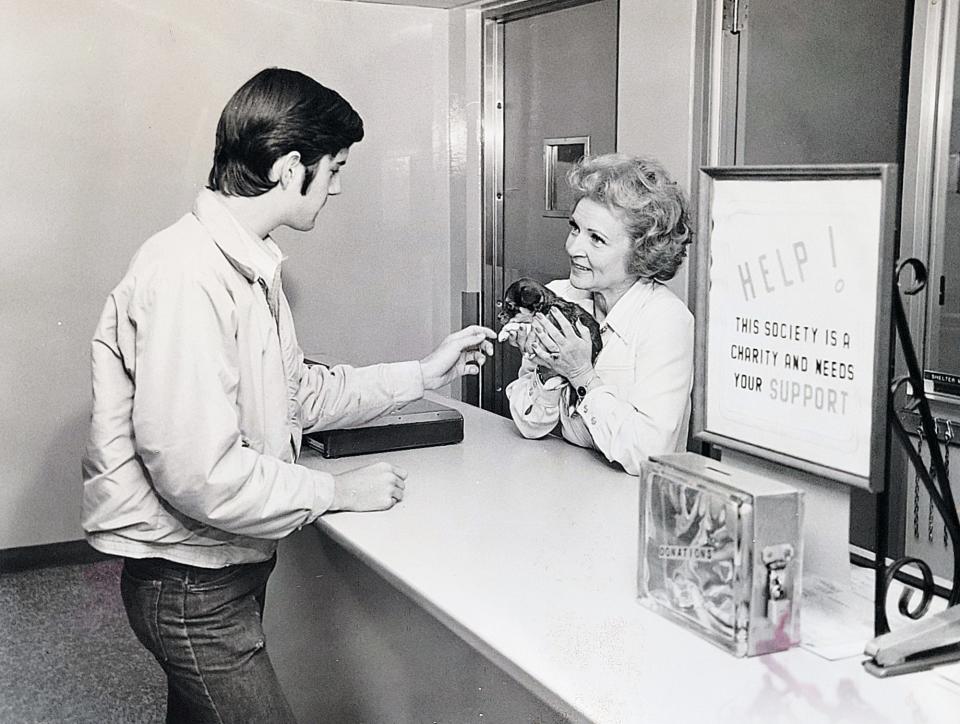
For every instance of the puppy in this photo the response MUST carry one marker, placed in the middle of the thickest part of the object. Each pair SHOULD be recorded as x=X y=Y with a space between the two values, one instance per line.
x=526 y=297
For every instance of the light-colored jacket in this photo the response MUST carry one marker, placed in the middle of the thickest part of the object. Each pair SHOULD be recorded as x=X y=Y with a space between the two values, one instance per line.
x=646 y=367
x=200 y=397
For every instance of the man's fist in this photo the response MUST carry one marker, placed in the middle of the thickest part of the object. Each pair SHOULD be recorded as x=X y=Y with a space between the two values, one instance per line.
x=375 y=487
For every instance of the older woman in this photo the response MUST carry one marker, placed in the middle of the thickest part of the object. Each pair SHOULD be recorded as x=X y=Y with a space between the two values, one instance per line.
x=628 y=234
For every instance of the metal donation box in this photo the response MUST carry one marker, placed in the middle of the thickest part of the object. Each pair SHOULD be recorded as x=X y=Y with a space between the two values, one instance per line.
x=721 y=552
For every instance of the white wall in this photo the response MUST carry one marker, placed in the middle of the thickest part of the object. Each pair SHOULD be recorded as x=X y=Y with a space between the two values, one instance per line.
x=107 y=117
x=655 y=89
x=466 y=137
x=372 y=283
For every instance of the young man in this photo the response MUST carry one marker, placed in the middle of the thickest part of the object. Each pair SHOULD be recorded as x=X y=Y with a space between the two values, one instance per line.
x=201 y=396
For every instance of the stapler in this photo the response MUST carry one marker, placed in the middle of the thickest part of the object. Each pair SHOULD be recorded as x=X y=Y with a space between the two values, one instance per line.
x=917 y=646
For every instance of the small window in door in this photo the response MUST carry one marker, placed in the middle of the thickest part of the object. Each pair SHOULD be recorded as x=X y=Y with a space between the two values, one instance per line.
x=559 y=156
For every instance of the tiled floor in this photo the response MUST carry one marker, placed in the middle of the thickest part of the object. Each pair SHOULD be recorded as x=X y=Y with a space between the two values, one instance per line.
x=66 y=651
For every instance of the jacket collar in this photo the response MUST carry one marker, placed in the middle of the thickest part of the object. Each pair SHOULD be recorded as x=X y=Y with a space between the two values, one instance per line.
x=628 y=306
x=253 y=257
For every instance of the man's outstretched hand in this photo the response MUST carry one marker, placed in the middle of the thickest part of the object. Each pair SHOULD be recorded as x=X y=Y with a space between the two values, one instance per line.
x=461 y=353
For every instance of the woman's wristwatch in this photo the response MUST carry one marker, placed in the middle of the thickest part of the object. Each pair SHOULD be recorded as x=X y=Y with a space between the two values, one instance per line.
x=586 y=382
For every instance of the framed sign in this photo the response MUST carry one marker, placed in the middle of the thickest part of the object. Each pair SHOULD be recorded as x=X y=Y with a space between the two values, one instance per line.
x=793 y=315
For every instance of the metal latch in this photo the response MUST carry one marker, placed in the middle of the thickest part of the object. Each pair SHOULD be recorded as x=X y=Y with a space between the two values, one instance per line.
x=776 y=558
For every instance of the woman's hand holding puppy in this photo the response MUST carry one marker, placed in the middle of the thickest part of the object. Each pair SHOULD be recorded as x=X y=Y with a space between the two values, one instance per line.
x=562 y=349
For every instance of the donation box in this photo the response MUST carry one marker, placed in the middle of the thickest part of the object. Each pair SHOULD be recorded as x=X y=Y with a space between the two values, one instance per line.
x=721 y=552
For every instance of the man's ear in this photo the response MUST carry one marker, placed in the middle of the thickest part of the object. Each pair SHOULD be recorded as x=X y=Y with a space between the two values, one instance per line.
x=284 y=169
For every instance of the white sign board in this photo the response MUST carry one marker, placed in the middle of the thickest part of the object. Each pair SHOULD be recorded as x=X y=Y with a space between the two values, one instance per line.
x=793 y=323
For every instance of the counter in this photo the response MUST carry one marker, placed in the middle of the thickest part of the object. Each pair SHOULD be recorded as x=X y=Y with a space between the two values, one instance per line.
x=503 y=589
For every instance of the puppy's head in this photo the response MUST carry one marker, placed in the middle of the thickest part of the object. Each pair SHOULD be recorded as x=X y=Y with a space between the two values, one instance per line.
x=524 y=298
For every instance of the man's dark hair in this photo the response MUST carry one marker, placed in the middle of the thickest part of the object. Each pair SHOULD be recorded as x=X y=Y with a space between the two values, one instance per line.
x=276 y=112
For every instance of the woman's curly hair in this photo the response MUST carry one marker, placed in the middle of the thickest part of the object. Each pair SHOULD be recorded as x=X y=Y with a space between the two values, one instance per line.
x=651 y=205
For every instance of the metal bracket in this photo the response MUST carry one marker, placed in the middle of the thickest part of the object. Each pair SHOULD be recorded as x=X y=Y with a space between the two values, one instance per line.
x=734 y=15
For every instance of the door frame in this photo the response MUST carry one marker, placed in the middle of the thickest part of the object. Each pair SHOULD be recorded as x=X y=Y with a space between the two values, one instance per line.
x=926 y=171
x=494 y=17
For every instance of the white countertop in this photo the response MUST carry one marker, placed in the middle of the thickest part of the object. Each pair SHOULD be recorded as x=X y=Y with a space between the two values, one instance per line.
x=527 y=549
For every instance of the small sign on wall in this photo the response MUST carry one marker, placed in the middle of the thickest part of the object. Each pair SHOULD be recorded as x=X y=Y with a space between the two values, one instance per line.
x=793 y=315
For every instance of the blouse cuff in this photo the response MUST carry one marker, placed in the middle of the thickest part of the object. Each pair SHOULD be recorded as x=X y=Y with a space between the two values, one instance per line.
x=554 y=383
x=591 y=400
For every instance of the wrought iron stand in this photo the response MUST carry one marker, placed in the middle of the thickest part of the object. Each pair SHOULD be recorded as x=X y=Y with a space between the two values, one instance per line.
x=934 y=478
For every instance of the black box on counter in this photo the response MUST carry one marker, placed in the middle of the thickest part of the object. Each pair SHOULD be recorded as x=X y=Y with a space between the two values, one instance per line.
x=421 y=423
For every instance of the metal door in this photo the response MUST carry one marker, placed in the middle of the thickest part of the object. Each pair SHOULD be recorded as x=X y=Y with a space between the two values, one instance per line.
x=813 y=82
x=549 y=95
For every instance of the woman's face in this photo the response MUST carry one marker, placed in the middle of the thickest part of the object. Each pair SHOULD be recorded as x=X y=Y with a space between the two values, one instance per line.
x=599 y=248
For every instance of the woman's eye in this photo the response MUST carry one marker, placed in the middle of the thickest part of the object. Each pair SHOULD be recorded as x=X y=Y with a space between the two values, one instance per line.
x=573 y=226
x=598 y=239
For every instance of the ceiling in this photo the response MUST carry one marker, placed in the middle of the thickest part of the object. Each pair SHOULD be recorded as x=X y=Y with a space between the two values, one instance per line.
x=442 y=4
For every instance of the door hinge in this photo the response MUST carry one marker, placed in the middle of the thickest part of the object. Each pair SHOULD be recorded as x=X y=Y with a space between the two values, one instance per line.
x=734 y=15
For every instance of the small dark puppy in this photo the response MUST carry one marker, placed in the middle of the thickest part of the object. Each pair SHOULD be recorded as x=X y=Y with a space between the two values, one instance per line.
x=525 y=297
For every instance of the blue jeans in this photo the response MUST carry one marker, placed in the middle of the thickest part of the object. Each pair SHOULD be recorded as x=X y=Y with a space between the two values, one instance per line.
x=204 y=628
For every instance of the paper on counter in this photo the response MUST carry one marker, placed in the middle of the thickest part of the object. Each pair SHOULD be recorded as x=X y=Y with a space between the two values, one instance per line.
x=836 y=620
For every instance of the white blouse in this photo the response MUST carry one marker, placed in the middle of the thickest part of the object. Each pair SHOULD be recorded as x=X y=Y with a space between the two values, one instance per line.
x=646 y=367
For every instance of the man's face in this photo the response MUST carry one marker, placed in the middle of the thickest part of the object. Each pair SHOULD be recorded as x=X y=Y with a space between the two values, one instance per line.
x=326 y=182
